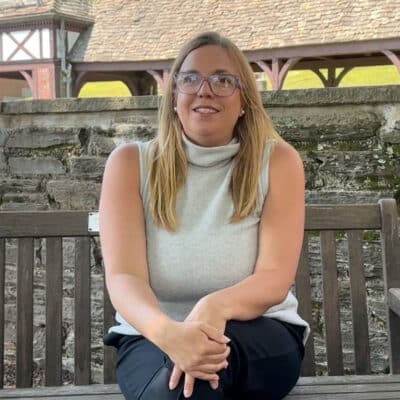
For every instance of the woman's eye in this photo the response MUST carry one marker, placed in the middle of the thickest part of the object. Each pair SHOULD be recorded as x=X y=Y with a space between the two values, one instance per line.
x=224 y=80
x=190 y=79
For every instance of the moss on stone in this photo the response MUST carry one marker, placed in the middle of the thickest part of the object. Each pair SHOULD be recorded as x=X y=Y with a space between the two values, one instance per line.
x=378 y=183
x=307 y=147
x=58 y=151
x=358 y=145
x=371 y=235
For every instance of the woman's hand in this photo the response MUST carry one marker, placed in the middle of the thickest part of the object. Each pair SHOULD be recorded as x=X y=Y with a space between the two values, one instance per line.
x=204 y=311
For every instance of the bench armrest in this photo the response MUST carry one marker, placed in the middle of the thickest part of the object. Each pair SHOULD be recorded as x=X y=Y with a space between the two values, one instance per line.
x=394 y=300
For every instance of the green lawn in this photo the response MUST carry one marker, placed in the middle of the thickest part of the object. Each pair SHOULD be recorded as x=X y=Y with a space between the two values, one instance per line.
x=360 y=76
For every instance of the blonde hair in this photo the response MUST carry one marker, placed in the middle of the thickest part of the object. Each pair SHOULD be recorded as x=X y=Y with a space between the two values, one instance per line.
x=168 y=163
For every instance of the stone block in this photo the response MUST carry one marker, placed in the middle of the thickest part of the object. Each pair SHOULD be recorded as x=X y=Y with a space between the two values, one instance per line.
x=41 y=138
x=100 y=145
x=87 y=167
x=343 y=197
x=24 y=201
x=3 y=136
x=9 y=185
x=74 y=195
x=142 y=117
x=390 y=132
x=141 y=132
x=3 y=162
x=25 y=166
x=324 y=125
x=68 y=106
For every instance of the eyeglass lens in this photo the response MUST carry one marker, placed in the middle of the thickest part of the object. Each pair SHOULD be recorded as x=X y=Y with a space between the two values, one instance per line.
x=220 y=84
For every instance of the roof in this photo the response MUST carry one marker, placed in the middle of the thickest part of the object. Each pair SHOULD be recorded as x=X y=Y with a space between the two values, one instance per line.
x=145 y=30
x=74 y=8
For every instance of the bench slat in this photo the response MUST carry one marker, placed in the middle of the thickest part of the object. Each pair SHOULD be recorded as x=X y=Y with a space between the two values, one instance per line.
x=61 y=391
x=43 y=224
x=359 y=303
x=75 y=223
x=2 y=287
x=346 y=396
x=82 y=311
x=303 y=294
x=394 y=300
x=342 y=217
x=331 y=303
x=375 y=387
x=391 y=273
x=54 y=289
x=354 y=388
x=357 y=387
x=109 y=352
x=86 y=397
x=24 y=312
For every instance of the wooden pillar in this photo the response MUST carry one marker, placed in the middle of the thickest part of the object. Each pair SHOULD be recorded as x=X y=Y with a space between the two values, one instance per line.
x=161 y=77
x=332 y=80
x=277 y=70
x=78 y=82
x=31 y=83
x=44 y=81
x=393 y=58
x=129 y=82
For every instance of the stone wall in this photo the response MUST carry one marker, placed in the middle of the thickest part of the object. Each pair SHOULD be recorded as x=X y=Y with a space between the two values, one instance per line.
x=52 y=153
x=52 y=156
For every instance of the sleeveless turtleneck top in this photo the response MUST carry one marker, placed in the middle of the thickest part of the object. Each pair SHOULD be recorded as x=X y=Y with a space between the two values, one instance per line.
x=208 y=252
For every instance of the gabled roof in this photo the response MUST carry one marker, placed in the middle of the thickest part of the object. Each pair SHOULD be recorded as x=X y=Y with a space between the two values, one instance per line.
x=143 y=30
x=78 y=9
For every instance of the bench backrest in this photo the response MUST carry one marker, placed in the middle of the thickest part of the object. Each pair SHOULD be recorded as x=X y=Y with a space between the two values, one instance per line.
x=352 y=221
x=323 y=223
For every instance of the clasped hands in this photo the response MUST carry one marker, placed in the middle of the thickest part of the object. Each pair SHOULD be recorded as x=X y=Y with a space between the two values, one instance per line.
x=201 y=348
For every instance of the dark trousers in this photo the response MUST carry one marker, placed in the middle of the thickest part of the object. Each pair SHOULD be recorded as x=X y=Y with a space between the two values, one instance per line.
x=264 y=364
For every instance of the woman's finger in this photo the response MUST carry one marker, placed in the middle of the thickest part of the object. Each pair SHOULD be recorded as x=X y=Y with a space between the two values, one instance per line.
x=214 y=334
x=212 y=368
x=204 y=376
x=188 y=386
x=214 y=384
x=214 y=359
x=175 y=377
x=214 y=348
x=217 y=358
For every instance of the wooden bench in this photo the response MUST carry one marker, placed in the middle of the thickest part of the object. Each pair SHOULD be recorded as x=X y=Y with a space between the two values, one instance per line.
x=323 y=222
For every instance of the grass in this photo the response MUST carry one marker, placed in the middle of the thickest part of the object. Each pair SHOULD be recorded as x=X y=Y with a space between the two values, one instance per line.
x=359 y=76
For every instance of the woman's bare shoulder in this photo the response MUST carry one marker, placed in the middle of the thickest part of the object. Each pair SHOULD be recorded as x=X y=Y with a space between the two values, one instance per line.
x=123 y=166
x=285 y=155
x=127 y=152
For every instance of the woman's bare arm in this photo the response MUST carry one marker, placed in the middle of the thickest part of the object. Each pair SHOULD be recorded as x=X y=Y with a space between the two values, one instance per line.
x=123 y=243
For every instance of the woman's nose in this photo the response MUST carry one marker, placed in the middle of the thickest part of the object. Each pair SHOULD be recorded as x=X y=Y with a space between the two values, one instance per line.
x=205 y=89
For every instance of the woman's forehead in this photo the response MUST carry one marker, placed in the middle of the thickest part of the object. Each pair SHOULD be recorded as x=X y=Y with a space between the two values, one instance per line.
x=209 y=59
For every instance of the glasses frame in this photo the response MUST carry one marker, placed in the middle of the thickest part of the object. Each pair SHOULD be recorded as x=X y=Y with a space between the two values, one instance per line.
x=207 y=79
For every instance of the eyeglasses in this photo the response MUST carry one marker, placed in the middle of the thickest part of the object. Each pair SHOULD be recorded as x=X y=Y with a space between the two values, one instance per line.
x=222 y=85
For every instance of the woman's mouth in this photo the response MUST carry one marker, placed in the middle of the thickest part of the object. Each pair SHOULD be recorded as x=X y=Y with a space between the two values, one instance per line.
x=205 y=110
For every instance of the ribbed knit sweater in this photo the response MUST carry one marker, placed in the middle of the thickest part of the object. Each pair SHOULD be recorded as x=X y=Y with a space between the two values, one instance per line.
x=208 y=252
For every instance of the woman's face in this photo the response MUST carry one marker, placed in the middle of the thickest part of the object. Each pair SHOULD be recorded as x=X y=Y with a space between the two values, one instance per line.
x=208 y=119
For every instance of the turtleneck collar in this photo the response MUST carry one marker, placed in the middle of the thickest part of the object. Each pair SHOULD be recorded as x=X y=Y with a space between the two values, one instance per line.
x=209 y=156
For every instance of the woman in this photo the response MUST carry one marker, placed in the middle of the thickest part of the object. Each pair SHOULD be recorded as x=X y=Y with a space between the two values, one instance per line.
x=201 y=231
